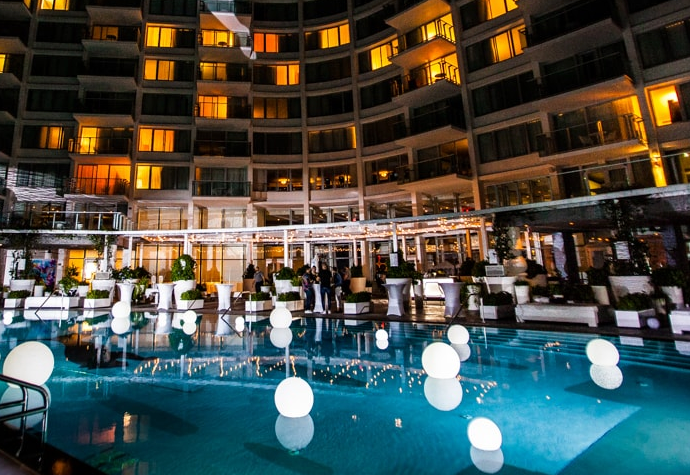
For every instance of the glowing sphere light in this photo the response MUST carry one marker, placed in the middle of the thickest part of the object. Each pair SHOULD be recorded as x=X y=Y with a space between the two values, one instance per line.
x=382 y=344
x=120 y=325
x=294 y=433
x=121 y=309
x=381 y=334
x=443 y=394
x=189 y=316
x=239 y=324
x=607 y=377
x=280 y=317
x=281 y=337
x=602 y=352
x=294 y=397
x=440 y=360
x=32 y=362
x=487 y=461
x=484 y=434
x=188 y=327
x=458 y=335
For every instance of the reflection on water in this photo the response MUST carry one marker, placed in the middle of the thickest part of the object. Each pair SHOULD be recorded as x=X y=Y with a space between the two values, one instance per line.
x=176 y=395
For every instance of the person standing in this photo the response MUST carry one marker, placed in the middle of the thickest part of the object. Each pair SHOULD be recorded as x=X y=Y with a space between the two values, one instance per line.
x=325 y=280
x=258 y=280
x=308 y=287
x=337 y=288
x=346 y=281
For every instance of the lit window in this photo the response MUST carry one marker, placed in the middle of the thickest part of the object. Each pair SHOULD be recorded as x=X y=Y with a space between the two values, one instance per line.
x=213 y=107
x=160 y=37
x=87 y=140
x=270 y=108
x=266 y=43
x=105 y=33
x=213 y=71
x=336 y=36
x=287 y=74
x=3 y=62
x=507 y=45
x=54 y=5
x=159 y=70
x=496 y=8
x=665 y=105
x=217 y=38
x=156 y=140
x=379 y=56
x=51 y=137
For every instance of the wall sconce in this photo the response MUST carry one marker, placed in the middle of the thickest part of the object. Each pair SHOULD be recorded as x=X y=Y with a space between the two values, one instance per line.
x=384 y=174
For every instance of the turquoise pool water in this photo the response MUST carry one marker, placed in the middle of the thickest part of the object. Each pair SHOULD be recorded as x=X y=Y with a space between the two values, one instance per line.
x=157 y=401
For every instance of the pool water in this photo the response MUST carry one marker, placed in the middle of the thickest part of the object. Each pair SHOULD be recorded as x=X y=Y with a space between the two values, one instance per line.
x=155 y=400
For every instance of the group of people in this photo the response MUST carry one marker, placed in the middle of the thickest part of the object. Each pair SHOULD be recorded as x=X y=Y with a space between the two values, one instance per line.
x=334 y=284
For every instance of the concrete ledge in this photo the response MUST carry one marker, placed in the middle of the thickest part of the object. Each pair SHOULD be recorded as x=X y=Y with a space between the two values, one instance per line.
x=589 y=314
x=680 y=321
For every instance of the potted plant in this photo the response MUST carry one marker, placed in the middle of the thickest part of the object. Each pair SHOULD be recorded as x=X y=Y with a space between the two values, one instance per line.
x=358 y=283
x=598 y=279
x=68 y=284
x=536 y=273
x=497 y=305
x=283 y=280
x=15 y=298
x=578 y=293
x=258 y=302
x=465 y=270
x=97 y=298
x=671 y=281
x=634 y=309
x=183 y=276
x=190 y=299
x=357 y=302
x=521 y=291
x=292 y=300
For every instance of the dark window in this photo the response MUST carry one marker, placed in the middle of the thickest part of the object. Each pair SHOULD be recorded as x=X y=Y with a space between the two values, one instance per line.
x=503 y=94
x=173 y=7
x=332 y=70
x=322 y=8
x=382 y=131
x=510 y=142
x=665 y=44
x=167 y=104
x=51 y=100
x=49 y=175
x=275 y=11
x=374 y=23
x=470 y=14
x=279 y=143
x=56 y=66
x=639 y=5
x=60 y=32
x=329 y=104
x=332 y=140
x=376 y=94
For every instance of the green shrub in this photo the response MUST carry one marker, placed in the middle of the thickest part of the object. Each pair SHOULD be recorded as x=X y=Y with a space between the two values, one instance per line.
x=18 y=294
x=290 y=296
x=259 y=296
x=635 y=301
x=358 y=297
x=578 y=293
x=192 y=294
x=356 y=271
x=286 y=273
x=598 y=276
x=98 y=294
x=183 y=268
x=479 y=268
x=668 y=277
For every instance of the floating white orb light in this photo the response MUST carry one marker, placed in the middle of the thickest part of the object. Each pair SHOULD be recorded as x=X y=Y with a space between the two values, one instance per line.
x=239 y=324
x=440 y=360
x=458 y=335
x=294 y=397
x=120 y=325
x=607 y=377
x=382 y=344
x=121 y=309
x=464 y=351
x=32 y=362
x=443 y=394
x=280 y=317
x=487 y=461
x=653 y=323
x=602 y=352
x=294 y=433
x=381 y=334
x=188 y=327
x=189 y=316
x=281 y=337
x=484 y=434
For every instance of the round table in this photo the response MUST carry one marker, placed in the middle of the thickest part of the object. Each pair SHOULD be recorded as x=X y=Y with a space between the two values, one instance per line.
x=395 y=298
x=224 y=296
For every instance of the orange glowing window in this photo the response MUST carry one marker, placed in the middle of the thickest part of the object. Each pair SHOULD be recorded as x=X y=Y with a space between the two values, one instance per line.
x=51 y=137
x=496 y=8
x=287 y=74
x=665 y=105
x=266 y=43
x=54 y=5
x=159 y=36
x=213 y=107
x=3 y=62
x=159 y=70
x=156 y=140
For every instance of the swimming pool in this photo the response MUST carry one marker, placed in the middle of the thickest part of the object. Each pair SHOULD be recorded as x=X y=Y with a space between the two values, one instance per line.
x=158 y=401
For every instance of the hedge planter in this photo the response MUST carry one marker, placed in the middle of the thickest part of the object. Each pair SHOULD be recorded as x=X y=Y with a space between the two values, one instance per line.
x=291 y=304
x=356 y=308
x=14 y=303
x=96 y=303
x=258 y=305
x=634 y=318
x=497 y=312
x=62 y=302
x=190 y=304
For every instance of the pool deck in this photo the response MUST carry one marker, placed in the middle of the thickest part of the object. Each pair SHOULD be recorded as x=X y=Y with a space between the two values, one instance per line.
x=431 y=312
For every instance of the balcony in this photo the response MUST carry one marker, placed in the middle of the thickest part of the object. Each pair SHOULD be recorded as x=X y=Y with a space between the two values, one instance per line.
x=67 y=220
x=424 y=44
x=120 y=41
x=115 y=12
x=221 y=188
x=14 y=36
x=232 y=14
x=9 y=104
x=456 y=165
x=11 y=70
x=570 y=18
x=108 y=106
x=430 y=83
x=417 y=12
x=100 y=146
x=15 y=9
x=116 y=73
x=441 y=125
x=619 y=129
x=97 y=186
x=218 y=148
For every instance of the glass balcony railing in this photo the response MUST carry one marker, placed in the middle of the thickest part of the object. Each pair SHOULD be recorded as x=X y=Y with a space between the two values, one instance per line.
x=221 y=188
x=424 y=34
x=221 y=148
x=68 y=220
x=97 y=186
x=435 y=167
x=98 y=146
x=226 y=6
x=425 y=76
x=449 y=115
x=591 y=134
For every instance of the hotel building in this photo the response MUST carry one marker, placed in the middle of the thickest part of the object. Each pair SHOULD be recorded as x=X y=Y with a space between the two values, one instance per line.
x=278 y=132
